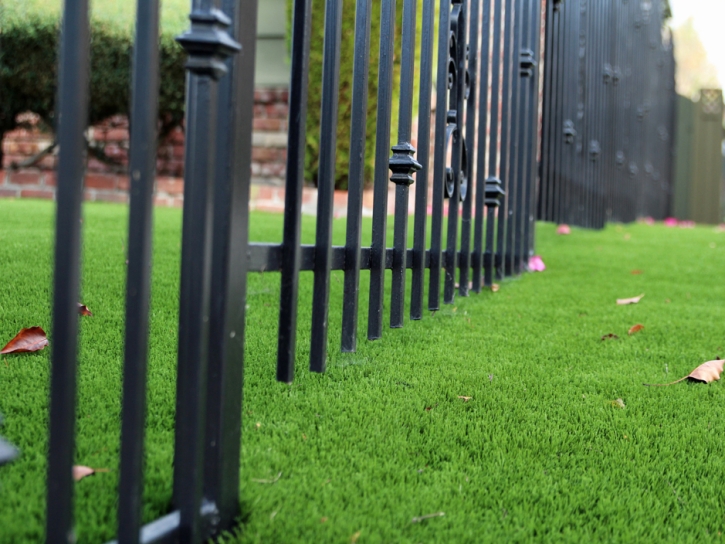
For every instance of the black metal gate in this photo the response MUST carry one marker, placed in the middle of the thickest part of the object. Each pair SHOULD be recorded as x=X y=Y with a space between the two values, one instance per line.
x=604 y=140
x=609 y=112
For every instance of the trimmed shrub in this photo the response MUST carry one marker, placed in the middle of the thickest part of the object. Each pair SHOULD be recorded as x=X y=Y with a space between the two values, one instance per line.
x=28 y=70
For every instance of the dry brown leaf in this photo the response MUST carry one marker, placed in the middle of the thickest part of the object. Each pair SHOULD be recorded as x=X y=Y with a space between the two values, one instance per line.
x=83 y=310
x=633 y=300
x=465 y=399
x=619 y=403
x=32 y=339
x=323 y=520
x=635 y=328
x=636 y=272
x=80 y=472
x=610 y=336
x=707 y=372
x=495 y=287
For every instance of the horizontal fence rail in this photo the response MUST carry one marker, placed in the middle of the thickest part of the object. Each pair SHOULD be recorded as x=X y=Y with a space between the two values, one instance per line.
x=602 y=152
x=609 y=113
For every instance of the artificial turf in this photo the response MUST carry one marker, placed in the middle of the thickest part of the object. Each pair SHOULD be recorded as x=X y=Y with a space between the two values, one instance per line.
x=539 y=453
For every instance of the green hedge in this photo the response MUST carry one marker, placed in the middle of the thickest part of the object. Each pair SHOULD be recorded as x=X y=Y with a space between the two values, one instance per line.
x=28 y=69
x=347 y=47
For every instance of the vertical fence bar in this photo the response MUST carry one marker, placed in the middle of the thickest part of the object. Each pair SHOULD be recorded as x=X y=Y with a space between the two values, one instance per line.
x=421 y=191
x=380 y=189
x=493 y=142
x=505 y=155
x=294 y=182
x=532 y=145
x=525 y=66
x=142 y=167
x=356 y=181
x=326 y=184
x=456 y=123
x=470 y=143
x=544 y=203
x=72 y=119
x=229 y=269
x=403 y=165
x=439 y=157
x=482 y=140
x=206 y=65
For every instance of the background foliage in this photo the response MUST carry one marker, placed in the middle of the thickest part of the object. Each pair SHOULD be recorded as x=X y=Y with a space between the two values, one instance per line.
x=28 y=71
x=347 y=47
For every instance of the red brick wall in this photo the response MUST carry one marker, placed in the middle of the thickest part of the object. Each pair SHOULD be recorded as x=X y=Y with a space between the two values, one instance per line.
x=109 y=182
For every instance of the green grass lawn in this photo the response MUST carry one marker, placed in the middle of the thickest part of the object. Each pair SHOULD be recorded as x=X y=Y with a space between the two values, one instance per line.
x=539 y=453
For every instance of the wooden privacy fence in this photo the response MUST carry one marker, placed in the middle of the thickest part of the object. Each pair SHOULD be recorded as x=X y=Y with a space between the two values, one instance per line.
x=698 y=192
x=482 y=180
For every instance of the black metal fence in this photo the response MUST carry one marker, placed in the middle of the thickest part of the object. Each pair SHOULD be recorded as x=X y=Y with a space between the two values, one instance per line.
x=609 y=112
x=481 y=183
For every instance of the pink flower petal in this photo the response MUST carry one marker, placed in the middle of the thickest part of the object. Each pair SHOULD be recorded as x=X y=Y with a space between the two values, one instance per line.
x=536 y=264
x=563 y=229
x=670 y=222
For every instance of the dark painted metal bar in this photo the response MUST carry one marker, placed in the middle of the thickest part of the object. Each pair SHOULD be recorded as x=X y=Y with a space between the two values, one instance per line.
x=470 y=96
x=439 y=156
x=72 y=108
x=165 y=530
x=421 y=190
x=505 y=155
x=458 y=168
x=269 y=257
x=403 y=165
x=206 y=64
x=229 y=271
x=493 y=142
x=142 y=167
x=294 y=182
x=544 y=203
x=519 y=124
x=532 y=146
x=326 y=183
x=356 y=181
x=380 y=189
x=477 y=258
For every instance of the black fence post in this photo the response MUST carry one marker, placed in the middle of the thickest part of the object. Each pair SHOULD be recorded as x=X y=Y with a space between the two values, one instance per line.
x=208 y=45
x=229 y=268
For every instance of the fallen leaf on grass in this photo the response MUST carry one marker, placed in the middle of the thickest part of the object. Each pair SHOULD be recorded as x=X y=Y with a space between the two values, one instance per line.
x=259 y=481
x=636 y=272
x=83 y=310
x=563 y=229
x=465 y=399
x=32 y=339
x=323 y=520
x=355 y=537
x=80 y=472
x=610 y=336
x=428 y=516
x=635 y=328
x=619 y=403
x=495 y=287
x=429 y=408
x=705 y=373
x=633 y=300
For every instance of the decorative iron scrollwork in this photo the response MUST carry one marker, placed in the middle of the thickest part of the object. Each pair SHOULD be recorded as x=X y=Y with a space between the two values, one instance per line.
x=527 y=63
x=402 y=164
x=594 y=150
x=208 y=43
x=569 y=131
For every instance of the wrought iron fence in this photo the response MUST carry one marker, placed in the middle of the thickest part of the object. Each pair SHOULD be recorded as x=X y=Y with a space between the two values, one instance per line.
x=609 y=112
x=481 y=187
